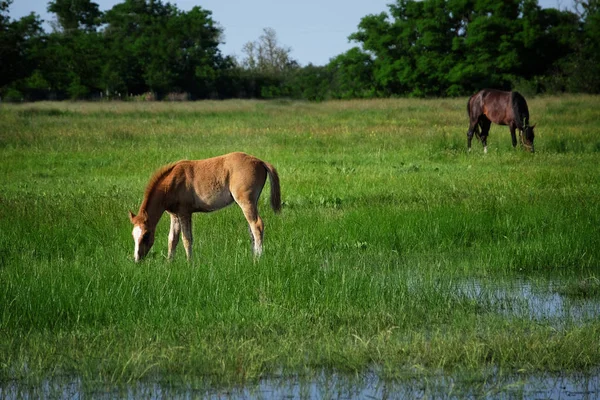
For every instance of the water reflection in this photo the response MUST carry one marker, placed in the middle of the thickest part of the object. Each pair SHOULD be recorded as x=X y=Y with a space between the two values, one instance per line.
x=535 y=301
x=334 y=386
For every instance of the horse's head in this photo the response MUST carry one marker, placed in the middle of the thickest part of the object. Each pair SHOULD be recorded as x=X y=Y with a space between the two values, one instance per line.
x=528 y=137
x=143 y=237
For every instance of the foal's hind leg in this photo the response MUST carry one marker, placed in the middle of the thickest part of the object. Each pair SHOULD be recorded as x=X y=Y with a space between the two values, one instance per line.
x=255 y=223
x=174 y=233
x=186 y=228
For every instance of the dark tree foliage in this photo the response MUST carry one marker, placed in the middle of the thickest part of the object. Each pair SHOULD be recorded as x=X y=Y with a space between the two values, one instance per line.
x=75 y=15
x=155 y=47
x=17 y=39
x=311 y=83
x=583 y=68
x=453 y=47
x=415 y=48
x=352 y=75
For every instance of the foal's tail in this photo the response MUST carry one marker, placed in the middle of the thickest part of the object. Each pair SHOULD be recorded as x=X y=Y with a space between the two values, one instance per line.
x=275 y=188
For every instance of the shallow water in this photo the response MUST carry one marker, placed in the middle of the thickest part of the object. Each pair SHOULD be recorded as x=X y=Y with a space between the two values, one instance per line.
x=333 y=386
x=539 y=302
x=447 y=387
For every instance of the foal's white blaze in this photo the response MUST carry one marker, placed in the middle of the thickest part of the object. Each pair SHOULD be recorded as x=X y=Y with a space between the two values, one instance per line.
x=137 y=236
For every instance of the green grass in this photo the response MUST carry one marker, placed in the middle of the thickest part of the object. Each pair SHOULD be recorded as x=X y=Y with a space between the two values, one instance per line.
x=385 y=213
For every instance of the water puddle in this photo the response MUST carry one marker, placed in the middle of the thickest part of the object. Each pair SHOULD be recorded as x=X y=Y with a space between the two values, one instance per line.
x=542 y=302
x=334 y=386
x=442 y=387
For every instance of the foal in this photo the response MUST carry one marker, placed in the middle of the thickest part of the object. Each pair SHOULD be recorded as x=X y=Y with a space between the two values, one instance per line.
x=185 y=187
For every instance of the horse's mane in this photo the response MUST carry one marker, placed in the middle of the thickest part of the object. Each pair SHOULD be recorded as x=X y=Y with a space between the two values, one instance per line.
x=156 y=177
x=520 y=109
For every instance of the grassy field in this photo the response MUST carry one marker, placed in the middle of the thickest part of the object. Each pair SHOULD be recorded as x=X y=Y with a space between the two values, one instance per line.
x=385 y=217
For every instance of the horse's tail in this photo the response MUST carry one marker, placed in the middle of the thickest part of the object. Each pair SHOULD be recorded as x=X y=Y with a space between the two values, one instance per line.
x=474 y=111
x=520 y=110
x=469 y=106
x=275 y=187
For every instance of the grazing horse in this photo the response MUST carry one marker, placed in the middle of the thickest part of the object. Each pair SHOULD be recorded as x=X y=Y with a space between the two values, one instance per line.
x=185 y=187
x=502 y=108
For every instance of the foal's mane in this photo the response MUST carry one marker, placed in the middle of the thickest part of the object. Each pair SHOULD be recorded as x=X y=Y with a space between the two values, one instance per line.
x=156 y=177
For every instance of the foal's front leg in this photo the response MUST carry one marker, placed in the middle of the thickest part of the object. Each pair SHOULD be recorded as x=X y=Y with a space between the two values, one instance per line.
x=186 y=227
x=174 y=233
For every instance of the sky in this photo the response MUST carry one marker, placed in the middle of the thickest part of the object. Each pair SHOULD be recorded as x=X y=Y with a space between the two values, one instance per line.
x=315 y=30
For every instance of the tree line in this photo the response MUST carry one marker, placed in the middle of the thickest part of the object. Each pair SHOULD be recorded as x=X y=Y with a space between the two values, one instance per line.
x=148 y=49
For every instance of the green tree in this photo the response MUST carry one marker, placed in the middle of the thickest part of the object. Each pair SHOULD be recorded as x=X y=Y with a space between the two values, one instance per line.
x=17 y=39
x=352 y=75
x=71 y=58
x=267 y=56
x=584 y=67
x=155 y=47
x=309 y=83
x=413 y=46
x=453 y=47
x=74 y=15
x=487 y=45
x=271 y=68
x=547 y=38
x=72 y=64
x=381 y=38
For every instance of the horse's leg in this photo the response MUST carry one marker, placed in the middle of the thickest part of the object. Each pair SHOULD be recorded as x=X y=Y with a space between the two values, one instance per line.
x=255 y=223
x=473 y=128
x=485 y=130
x=186 y=228
x=174 y=234
x=469 y=137
x=513 y=136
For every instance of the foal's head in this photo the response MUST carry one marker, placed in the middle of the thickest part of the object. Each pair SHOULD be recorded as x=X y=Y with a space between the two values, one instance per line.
x=143 y=237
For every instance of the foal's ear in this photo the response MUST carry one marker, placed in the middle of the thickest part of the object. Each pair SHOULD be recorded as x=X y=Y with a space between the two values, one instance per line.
x=131 y=216
x=533 y=126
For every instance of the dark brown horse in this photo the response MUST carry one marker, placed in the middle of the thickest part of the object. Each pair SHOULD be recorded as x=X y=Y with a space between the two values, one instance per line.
x=502 y=108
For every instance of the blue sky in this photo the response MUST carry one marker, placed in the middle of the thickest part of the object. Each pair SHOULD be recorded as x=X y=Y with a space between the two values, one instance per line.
x=315 y=30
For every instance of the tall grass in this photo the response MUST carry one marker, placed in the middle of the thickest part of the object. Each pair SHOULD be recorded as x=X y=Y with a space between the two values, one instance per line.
x=384 y=214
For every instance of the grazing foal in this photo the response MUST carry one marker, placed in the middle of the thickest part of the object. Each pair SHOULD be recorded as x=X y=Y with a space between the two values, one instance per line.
x=185 y=187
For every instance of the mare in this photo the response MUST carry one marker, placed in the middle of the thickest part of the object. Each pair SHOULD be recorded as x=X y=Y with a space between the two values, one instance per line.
x=502 y=108
x=185 y=187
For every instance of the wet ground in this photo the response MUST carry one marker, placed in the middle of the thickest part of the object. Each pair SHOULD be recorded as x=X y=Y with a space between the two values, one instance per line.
x=547 y=302
x=333 y=386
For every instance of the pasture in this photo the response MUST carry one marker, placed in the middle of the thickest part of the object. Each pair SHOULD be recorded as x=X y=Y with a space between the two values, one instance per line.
x=388 y=257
